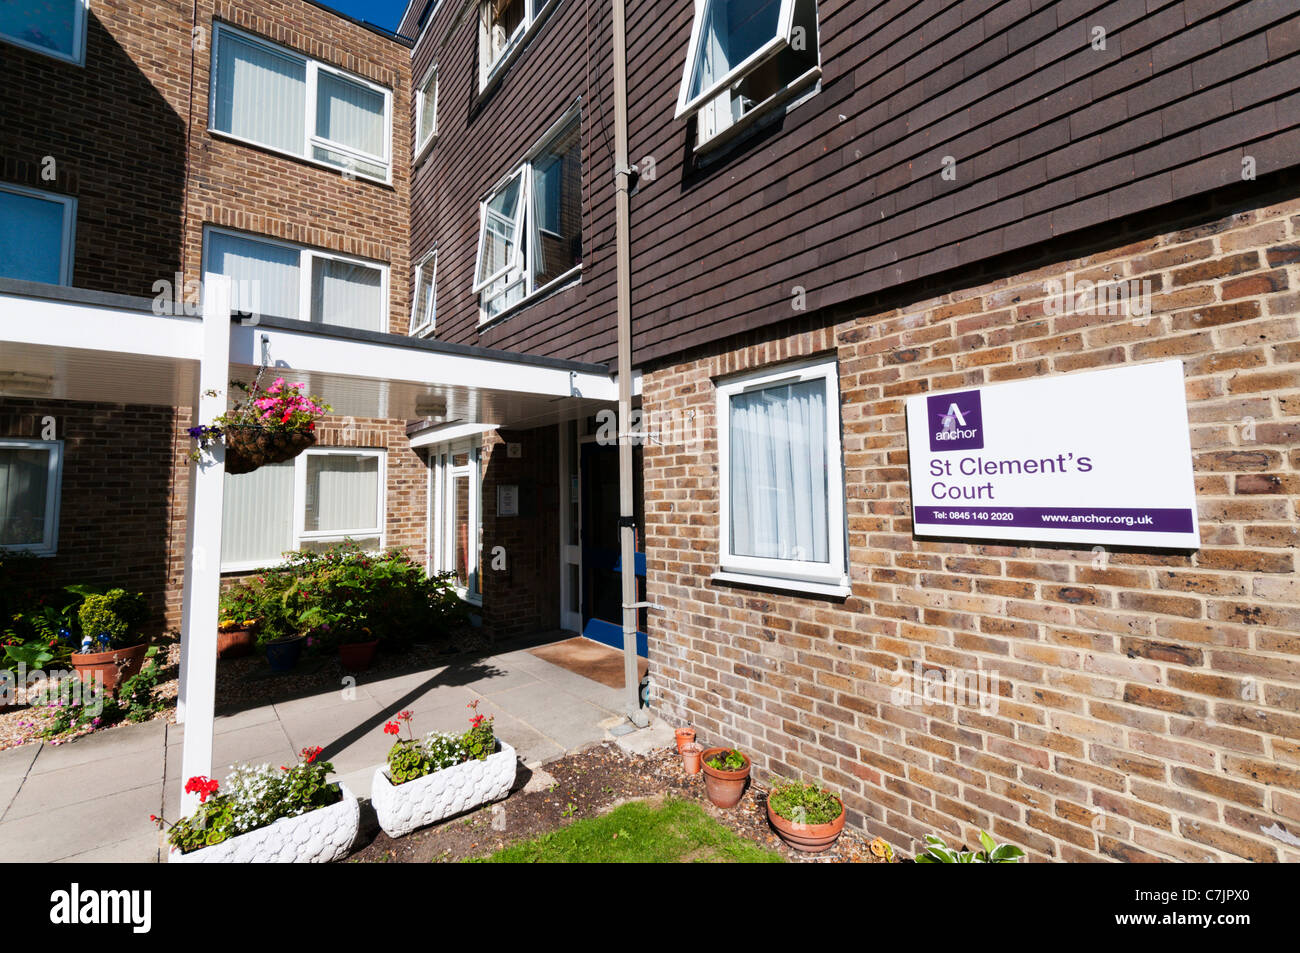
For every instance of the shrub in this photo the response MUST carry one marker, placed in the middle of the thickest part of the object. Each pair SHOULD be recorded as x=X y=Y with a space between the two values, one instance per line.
x=345 y=594
x=992 y=853
x=112 y=620
x=804 y=803
x=256 y=796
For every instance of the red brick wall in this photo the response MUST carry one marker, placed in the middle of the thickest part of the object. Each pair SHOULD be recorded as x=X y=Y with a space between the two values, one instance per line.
x=117 y=496
x=1148 y=700
x=524 y=596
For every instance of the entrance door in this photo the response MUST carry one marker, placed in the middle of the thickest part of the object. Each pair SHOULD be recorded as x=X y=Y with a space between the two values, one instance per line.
x=602 y=588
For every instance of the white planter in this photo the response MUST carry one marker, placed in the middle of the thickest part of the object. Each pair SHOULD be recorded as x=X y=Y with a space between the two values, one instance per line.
x=316 y=837
x=403 y=808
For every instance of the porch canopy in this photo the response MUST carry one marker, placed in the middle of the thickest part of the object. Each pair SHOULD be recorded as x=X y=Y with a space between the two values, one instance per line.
x=70 y=344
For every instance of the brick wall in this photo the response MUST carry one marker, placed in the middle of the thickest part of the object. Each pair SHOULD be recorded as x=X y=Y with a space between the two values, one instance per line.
x=115 y=525
x=1147 y=699
x=524 y=596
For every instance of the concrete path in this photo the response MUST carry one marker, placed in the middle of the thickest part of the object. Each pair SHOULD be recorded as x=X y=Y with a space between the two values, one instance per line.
x=90 y=800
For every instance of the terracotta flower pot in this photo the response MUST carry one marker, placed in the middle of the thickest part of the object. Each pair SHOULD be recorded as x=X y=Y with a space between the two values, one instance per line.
x=106 y=664
x=357 y=656
x=723 y=788
x=684 y=736
x=810 y=838
x=691 y=752
x=235 y=643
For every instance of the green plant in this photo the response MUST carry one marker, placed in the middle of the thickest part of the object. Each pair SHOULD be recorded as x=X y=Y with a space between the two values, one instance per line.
x=731 y=760
x=480 y=741
x=345 y=594
x=112 y=620
x=804 y=803
x=278 y=406
x=238 y=606
x=992 y=853
x=256 y=796
x=136 y=696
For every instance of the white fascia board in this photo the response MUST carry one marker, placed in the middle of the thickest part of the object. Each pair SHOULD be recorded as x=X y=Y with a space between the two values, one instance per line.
x=319 y=353
x=70 y=324
x=427 y=438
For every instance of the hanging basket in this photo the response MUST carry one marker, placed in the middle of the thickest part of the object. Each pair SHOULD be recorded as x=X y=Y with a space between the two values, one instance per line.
x=250 y=447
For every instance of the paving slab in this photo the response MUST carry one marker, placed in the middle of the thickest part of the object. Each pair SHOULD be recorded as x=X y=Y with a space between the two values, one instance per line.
x=90 y=800
x=55 y=789
x=78 y=828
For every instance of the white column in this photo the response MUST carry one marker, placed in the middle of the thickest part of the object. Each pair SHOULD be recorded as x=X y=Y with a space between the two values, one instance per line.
x=198 y=676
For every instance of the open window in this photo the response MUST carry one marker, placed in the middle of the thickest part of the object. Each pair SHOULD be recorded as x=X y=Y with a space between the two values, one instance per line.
x=426 y=112
x=746 y=57
x=530 y=235
x=424 y=307
x=503 y=27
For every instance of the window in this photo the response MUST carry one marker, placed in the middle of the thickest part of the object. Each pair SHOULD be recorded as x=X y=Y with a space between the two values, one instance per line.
x=746 y=57
x=30 y=474
x=781 y=483
x=54 y=27
x=530 y=236
x=456 y=516
x=36 y=234
x=424 y=307
x=273 y=97
x=281 y=280
x=321 y=497
x=426 y=112
x=503 y=27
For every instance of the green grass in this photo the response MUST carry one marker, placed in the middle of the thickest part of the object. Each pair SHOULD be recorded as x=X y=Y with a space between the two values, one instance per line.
x=640 y=832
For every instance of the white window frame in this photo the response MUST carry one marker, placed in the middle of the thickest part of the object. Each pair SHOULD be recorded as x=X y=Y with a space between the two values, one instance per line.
x=423 y=325
x=533 y=10
x=830 y=577
x=67 y=252
x=525 y=244
x=686 y=105
x=300 y=534
x=442 y=543
x=78 y=55
x=314 y=68
x=307 y=256
x=424 y=141
x=49 y=544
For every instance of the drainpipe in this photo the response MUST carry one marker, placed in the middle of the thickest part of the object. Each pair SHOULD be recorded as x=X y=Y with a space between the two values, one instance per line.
x=623 y=256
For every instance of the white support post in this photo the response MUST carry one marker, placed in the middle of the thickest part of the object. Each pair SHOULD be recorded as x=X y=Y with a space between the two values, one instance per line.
x=198 y=677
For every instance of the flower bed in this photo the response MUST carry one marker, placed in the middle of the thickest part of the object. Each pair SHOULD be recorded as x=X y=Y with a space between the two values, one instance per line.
x=441 y=775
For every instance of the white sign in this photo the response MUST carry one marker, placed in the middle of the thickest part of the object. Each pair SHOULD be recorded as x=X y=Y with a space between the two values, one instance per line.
x=507 y=500
x=1100 y=457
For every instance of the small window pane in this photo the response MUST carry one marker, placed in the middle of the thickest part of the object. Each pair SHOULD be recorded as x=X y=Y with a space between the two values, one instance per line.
x=347 y=294
x=731 y=32
x=46 y=24
x=428 y=108
x=424 y=311
x=342 y=493
x=257 y=515
x=557 y=206
x=500 y=231
x=260 y=95
x=504 y=19
x=350 y=114
x=24 y=493
x=264 y=276
x=778 y=470
x=31 y=237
